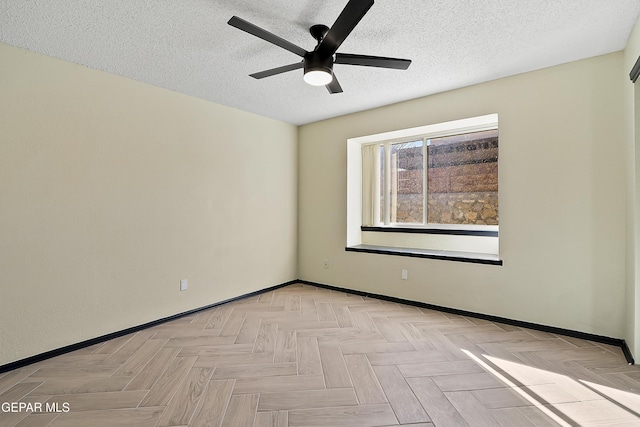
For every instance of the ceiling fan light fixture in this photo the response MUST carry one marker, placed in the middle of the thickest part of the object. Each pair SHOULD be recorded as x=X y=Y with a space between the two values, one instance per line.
x=317 y=77
x=318 y=70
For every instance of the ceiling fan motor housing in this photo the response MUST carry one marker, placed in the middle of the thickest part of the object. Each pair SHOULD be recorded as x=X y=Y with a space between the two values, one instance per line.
x=315 y=62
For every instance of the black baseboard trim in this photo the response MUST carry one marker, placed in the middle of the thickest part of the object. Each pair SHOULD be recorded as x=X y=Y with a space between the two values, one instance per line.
x=627 y=353
x=77 y=346
x=617 y=342
x=544 y=328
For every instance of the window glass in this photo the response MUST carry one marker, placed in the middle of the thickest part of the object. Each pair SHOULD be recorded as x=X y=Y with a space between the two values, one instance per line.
x=463 y=179
x=407 y=182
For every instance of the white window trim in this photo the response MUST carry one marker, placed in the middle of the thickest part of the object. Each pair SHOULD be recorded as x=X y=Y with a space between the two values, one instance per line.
x=354 y=167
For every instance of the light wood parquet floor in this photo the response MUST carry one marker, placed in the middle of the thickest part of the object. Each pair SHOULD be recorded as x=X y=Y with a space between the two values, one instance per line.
x=307 y=356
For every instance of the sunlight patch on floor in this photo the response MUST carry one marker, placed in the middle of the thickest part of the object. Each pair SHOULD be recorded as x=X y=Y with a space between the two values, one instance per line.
x=563 y=399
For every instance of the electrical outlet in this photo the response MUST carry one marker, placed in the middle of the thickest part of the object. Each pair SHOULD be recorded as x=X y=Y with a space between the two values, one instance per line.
x=184 y=284
x=405 y=274
x=325 y=264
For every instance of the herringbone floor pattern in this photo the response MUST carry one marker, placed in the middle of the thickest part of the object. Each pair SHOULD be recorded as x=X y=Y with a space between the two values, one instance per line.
x=305 y=356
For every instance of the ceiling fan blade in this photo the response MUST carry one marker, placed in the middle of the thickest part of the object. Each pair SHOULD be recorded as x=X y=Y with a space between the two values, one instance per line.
x=334 y=86
x=372 y=61
x=353 y=12
x=265 y=35
x=278 y=70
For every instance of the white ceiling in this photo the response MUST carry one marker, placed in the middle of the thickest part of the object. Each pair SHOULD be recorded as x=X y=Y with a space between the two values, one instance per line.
x=187 y=46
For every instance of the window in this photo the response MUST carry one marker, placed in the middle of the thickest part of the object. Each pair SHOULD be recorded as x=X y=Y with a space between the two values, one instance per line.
x=460 y=185
x=430 y=188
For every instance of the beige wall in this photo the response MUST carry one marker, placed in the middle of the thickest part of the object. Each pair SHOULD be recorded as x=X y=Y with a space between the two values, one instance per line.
x=111 y=191
x=562 y=226
x=632 y=137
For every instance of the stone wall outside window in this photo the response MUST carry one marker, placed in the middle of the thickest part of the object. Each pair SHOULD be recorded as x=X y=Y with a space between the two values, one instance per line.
x=462 y=182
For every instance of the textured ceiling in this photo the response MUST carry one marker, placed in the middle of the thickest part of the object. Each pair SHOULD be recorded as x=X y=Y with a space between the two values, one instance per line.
x=187 y=46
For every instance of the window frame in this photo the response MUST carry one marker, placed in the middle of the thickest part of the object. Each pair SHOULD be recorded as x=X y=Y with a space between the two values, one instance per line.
x=467 y=242
x=385 y=219
x=425 y=133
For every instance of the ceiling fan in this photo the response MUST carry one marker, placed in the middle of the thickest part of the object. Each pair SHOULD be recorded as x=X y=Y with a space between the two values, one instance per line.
x=318 y=64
